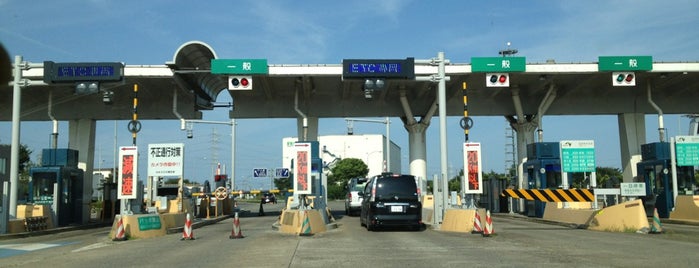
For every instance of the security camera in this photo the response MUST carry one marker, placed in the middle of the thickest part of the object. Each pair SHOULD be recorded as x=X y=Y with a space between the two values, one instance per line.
x=190 y=134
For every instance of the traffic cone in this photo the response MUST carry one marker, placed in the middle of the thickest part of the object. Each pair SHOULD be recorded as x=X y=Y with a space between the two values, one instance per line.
x=187 y=233
x=120 y=234
x=477 y=224
x=488 y=224
x=236 y=232
x=305 y=225
x=655 y=227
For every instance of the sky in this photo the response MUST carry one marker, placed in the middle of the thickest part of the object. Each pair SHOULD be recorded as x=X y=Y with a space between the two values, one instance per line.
x=325 y=32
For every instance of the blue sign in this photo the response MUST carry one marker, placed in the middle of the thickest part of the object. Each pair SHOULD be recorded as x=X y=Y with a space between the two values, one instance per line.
x=259 y=172
x=282 y=172
x=86 y=71
x=354 y=68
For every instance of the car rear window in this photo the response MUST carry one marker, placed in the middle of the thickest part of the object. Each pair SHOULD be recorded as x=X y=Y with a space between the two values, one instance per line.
x=359 y=187
x=404 y=187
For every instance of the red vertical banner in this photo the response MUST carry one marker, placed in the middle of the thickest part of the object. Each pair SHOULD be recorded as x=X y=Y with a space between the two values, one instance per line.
x=302 y=171
x=472 y=169
x=128 y=170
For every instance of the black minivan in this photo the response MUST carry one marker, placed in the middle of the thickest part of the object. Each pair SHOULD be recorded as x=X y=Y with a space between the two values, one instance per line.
x=391 y=200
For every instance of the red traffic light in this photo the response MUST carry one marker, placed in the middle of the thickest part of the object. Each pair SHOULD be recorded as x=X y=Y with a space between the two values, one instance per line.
x=623 y=79
x=240 y=82
x=497 y=80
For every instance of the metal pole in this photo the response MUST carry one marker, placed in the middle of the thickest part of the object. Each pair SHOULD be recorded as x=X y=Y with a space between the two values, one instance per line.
x=388 y=145
x=232 y=153
x=443 y=129
x=673 y=168
x=14 y=151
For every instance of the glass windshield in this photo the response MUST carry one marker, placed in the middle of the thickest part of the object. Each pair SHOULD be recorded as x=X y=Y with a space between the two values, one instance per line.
x=403 y=187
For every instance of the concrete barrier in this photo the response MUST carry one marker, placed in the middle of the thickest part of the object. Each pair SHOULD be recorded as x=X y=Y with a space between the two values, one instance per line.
x=28 y=211
x=460 y=220
x=141 y=226
x=428 y=201
x=580 y=214
x=686 y=208
x=292 y=222
x=625 y=217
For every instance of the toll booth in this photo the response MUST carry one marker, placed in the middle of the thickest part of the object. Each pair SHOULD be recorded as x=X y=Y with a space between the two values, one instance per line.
x=59 y=167
x=543 y=171
x=655 y=170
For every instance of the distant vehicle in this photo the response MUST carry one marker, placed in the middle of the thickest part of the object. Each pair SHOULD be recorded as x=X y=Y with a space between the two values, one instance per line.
x=353 y=201
x=391 y=200
x=269 y=198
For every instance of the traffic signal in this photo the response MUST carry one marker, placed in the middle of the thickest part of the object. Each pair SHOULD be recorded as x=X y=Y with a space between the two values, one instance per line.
x=240 y=82
x=622 y=79
x=497 y=80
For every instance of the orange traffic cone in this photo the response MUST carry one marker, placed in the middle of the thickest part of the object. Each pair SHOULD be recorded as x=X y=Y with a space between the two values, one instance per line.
x=488 y=224
x=236 y=232
x=187 y=233
x=477 y=224
x=120 y=234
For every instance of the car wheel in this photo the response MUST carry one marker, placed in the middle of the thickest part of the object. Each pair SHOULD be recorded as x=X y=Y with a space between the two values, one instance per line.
x=369 y=226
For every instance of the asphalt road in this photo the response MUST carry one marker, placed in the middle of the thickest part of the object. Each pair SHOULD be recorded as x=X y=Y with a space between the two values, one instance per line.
x=517 y=242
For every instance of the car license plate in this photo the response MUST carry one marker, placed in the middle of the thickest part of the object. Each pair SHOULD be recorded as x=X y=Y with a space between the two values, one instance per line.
x=396 y=208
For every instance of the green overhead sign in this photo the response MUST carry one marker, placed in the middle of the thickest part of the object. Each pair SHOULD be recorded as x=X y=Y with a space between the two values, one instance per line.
x=578 y=156
x=239 y=66
x=498 y=64
x=687 y=150
x=625 y=63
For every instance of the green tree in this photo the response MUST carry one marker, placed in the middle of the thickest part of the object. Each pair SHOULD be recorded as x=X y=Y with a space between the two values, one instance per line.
x=25 y=164
x=344 y=170
x=284 y=183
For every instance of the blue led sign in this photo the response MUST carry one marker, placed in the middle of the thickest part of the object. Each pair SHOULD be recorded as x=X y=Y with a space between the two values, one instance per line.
x=355 y=68
x=87 y=71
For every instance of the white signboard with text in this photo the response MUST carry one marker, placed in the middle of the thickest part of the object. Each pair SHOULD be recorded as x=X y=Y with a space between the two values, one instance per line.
x=166 y=159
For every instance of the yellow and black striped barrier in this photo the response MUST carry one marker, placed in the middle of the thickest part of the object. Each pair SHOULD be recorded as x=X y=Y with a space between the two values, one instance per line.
x=551 y=195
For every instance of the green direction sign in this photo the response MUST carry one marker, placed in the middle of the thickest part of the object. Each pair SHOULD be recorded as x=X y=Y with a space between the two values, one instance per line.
x=498 y=64
x=149 y=223
x=578 y=156
x=625 y=63
x=687 y=150
x=239 y=66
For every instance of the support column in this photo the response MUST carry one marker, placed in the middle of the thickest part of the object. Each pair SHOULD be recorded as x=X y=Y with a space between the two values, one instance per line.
x=310 y=133
x=632 y=134
x=418 y=149
x=81 y=137
x=525 y=135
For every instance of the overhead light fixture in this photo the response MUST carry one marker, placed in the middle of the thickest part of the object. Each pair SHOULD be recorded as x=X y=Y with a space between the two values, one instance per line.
x=371 y=84
x=84 y=88
x=374 y=83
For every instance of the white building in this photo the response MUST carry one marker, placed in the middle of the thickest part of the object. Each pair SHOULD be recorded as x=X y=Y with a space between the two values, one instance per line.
x=369 y=148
